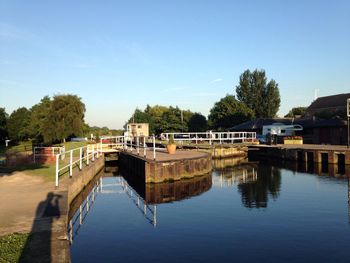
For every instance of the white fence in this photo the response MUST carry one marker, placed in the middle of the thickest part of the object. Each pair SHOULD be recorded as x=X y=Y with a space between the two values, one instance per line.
x=211 y=137
x=66 y=161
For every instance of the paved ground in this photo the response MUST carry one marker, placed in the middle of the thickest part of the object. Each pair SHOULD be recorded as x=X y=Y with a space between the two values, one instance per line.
x=29 y=204
x=20 y=196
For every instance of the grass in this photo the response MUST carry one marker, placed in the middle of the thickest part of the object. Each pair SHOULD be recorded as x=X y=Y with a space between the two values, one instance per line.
x=47 y=171
x=11 y=247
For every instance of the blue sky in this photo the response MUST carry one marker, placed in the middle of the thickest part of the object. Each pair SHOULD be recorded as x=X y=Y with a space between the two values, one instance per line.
x=119 y=55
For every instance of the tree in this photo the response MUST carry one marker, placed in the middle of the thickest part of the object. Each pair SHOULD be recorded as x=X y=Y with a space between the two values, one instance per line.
x=3 y=124
x=296 y=111
x=65 y=118
x=197 y=123
x=163 y=119
x=39 y=112
x=262 y=97
x=229 y=112
x=18 y=124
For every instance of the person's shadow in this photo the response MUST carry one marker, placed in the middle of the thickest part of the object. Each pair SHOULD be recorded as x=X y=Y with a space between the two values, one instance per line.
x=38 y=245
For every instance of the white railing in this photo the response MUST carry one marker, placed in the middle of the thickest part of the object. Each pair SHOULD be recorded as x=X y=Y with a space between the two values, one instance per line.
x=112 y=141
x=130 y=144
x=211 y=137
x=40 y=152
x=77 y=157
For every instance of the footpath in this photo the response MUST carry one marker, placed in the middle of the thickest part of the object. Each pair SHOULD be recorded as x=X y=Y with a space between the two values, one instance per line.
x=30 y=204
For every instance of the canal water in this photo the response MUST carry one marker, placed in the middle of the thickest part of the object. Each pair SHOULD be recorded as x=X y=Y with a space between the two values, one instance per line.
x=242 y=211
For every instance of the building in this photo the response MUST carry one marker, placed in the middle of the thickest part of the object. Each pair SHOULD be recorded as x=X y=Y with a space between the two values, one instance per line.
x=324 y=121
x=137 y=129
x=335 y=104
x=315 y=131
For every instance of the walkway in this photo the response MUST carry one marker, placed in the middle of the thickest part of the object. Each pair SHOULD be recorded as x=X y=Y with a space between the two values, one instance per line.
x=163 y=156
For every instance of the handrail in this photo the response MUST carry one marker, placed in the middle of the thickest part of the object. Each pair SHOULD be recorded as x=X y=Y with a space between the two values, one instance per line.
x=210 y=136
x=76 y=157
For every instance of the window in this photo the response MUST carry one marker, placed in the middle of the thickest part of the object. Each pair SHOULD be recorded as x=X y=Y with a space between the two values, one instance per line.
x=139 y=126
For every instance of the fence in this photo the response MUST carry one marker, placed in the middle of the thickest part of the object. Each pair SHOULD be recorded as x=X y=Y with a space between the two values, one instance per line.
x=76 y=158
x=211 y=137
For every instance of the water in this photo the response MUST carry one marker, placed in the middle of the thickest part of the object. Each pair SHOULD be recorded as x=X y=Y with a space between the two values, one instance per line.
x=244 y=213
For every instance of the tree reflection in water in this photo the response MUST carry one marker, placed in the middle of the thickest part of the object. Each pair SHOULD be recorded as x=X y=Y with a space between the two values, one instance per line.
x=255 y=182
x=256 y=194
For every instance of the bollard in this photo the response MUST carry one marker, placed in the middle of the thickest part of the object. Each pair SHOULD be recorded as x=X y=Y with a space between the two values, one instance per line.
x=87 y=155
x=138 y=145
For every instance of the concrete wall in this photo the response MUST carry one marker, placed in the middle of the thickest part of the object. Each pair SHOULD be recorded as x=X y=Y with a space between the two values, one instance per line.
x=80 y=179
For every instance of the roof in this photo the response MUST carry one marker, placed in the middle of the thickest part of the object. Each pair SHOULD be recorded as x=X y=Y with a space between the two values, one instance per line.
x=306 y=123
x=338 y=100
x=259 y=123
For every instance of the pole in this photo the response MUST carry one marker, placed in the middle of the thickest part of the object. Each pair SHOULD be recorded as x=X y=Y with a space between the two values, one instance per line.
x=93 y=153
x=57 y=156
x=80 y=158
x=70 y=163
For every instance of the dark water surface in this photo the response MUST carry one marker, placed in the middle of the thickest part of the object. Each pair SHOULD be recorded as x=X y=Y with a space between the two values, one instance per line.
x=241 y=212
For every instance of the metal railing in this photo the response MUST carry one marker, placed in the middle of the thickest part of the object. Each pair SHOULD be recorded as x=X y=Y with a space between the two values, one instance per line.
x=76 y=158
x=211 y=137
x=137 y=144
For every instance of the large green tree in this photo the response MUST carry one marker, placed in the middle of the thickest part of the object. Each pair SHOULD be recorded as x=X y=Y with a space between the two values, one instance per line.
x=259 y=95
x=65 y=118
x=229 y=112
x=3 y=124
x=18 y=124
x=39 y=112
x=197 y=123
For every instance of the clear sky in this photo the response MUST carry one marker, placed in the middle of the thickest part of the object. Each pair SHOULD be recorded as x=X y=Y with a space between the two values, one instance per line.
x=119 y=55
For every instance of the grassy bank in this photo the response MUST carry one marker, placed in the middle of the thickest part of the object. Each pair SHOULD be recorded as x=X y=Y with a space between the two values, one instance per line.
x=12 y=247
x=47 y=170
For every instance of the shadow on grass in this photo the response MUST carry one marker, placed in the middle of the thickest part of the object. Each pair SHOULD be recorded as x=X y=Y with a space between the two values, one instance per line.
x=38 y=245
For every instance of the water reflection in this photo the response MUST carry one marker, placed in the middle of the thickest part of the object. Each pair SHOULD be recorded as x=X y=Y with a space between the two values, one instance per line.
x=255 y=183
x=170 y=191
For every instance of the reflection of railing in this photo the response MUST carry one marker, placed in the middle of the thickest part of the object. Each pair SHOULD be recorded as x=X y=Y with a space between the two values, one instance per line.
x=77 y=220
x=149 y=213
x=75 y=223
x=236 y=176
